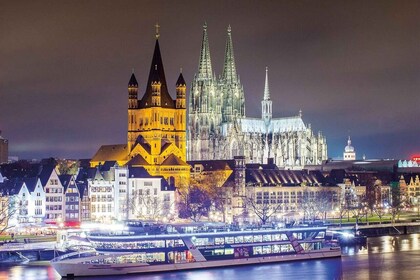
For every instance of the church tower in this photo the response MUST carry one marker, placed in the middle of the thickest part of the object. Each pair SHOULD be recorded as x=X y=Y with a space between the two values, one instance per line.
x=133 y=88
x=230 y=85
x=266 y=103
x=205 y=108
x=181 y=115
x=157 y=125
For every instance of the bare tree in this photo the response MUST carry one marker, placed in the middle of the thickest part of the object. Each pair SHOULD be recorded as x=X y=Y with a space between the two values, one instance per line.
x=309 y=205
x=258 y=203
x=194 y=203
x=373 y=193
x=204 y=194
x=358 y=212
x=9 y=207
x=145 y=206
x=324 y=202
x=344 y=207
x=380 y=211
x=399 y=201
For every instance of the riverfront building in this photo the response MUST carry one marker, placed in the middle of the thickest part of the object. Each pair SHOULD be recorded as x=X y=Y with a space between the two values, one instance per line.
x=255 y=188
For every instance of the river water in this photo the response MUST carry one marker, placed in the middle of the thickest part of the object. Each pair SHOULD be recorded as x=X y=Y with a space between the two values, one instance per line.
x=387 y=257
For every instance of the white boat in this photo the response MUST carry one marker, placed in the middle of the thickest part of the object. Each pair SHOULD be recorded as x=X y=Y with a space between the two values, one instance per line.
x=131 y=252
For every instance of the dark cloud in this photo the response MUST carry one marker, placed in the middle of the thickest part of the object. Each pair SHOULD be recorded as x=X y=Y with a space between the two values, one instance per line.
x=352 y=67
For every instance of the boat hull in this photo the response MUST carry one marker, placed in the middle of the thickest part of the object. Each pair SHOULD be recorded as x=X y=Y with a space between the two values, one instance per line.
x=77 y=269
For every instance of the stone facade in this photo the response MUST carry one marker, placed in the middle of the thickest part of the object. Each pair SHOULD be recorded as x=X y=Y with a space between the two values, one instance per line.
x=219 y=128
x=157 y=124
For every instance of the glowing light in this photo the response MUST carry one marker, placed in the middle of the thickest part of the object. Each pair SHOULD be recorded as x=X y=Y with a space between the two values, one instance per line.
x=416 y=158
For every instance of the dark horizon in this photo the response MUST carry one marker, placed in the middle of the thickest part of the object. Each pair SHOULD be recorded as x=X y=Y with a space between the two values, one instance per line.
x=353 y=68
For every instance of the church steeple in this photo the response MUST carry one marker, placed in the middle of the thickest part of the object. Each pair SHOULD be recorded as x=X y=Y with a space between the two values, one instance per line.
x=229 y=69
x=205 y=71
x=266 y=103
x=266 y=87
x=157 y=90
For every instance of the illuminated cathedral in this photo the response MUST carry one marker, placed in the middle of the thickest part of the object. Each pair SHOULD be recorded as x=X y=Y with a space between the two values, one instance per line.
x=219 y=128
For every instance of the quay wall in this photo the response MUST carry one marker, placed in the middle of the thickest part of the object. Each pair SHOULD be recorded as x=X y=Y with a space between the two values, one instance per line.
x=374 y=230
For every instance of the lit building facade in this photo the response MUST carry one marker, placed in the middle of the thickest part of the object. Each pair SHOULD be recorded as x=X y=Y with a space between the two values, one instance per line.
x=156 y=135
x=149 y=197
x=102 y=195
x=54 y=195
x=261 y=186
x=122 y=192
x=72 y=200
x=411 y=190
x=219 y=128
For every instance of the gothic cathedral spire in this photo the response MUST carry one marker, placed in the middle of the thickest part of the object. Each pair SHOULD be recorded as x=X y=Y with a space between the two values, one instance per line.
x=205 y=107
x=233 y=105
x=229 y=69
x=205 y=71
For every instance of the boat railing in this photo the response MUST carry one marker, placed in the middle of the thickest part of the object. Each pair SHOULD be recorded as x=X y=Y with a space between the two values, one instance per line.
x=75 y=254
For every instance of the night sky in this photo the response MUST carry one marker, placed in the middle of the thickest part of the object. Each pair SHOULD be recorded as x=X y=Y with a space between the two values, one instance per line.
x=353 y=67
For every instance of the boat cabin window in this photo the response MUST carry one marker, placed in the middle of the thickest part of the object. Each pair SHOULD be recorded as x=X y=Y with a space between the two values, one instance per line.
x=248 y=239
x=229 y=240
x=219 y=240
x=257 y=238
x=266 y=237
x=239 y=239
x=174 y=243
x=203 y=241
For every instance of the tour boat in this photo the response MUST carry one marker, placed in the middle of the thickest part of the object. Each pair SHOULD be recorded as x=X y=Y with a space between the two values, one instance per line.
x=193 y=247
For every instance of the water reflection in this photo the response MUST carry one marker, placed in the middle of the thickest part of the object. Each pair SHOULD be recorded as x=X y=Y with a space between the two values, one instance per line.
x=385 y=244
x=388 y=257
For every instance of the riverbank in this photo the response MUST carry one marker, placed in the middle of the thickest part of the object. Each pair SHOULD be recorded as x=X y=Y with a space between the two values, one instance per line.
x=379 y=229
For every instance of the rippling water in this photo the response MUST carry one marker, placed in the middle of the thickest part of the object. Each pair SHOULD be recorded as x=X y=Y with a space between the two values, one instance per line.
x=388 y=257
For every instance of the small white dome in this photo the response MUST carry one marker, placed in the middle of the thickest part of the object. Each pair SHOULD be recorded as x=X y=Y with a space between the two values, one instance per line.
x=349 y=148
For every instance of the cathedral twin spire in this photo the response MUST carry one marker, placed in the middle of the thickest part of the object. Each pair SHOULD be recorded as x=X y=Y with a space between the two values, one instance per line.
x=219 y=129
x=229 y=69
x=205 y=71
x=230 y=92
